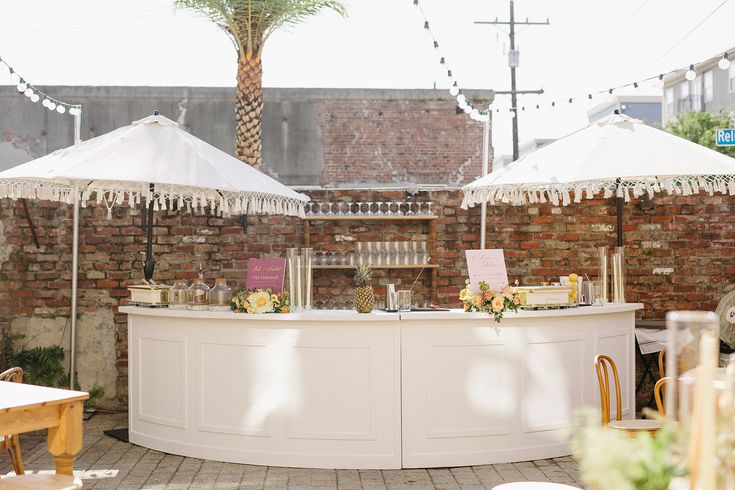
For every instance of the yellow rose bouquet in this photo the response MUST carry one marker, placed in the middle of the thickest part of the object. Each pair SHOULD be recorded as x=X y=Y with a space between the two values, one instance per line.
x=495 y=303
x=260 y=301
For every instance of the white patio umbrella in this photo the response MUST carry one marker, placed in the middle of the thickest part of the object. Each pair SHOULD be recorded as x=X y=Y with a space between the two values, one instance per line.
x=151 y=161
x=617 y=156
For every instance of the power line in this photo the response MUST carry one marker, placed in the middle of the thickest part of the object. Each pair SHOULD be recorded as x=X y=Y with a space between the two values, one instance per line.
x=677 y=43
x=110 y=20
x=513 y=60
x=595 y=58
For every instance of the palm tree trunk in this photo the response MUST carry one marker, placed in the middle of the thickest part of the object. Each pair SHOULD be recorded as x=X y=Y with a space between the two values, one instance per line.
x=248 y=110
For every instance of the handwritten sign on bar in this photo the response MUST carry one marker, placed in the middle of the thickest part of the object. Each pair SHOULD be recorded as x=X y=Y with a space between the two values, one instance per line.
x=265 y=274
x=487 y=265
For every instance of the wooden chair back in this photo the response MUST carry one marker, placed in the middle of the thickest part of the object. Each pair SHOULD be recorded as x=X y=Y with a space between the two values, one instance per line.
x=14 y=375
x=604 y=364
x=11 y=441
x=662 y=363
x=659 y=395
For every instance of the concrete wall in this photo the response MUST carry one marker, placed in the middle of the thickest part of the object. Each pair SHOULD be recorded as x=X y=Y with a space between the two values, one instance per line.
x=307 y=133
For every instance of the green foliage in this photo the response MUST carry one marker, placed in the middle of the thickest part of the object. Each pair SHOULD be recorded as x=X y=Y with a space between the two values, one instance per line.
x=609 y=459
x=700 y=128
x=43 y=366
x=248 y=23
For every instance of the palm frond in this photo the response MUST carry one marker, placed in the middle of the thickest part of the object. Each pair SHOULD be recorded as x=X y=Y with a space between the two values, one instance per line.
x=248 y=23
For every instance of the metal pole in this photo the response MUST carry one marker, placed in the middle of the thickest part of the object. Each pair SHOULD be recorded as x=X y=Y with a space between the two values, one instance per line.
x=74 y=265
x=485 y=164
x=513 y=92
x=619 y=212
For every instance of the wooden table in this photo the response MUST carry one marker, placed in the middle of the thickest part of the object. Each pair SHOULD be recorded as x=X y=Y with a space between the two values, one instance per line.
x=25 y=408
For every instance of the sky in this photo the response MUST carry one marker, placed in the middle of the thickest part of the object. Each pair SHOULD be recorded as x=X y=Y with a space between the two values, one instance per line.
x=590 y=45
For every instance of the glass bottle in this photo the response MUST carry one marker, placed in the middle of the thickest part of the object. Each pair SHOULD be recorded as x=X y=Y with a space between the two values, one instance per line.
x=198 y=293
x=220 y=295
x=178 y=296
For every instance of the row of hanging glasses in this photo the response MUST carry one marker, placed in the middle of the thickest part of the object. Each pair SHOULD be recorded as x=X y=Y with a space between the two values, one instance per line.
x=377 y=253
x=370 y=208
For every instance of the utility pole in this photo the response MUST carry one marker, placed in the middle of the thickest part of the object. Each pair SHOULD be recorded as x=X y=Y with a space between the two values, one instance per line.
x=513 y=56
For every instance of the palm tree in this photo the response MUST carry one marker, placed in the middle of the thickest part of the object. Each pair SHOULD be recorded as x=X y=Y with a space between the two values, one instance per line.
x=248 y=23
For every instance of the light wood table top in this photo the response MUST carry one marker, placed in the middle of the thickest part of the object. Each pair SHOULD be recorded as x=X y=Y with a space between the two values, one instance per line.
x=25 y=408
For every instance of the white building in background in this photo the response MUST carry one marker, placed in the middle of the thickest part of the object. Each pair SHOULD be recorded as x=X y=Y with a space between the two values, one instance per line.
x=523 y=149
x=712 y=90
x=647 y=108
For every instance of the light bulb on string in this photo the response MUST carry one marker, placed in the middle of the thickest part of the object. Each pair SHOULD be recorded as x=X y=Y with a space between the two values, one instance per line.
x=724 y=62
x=75 y=111
x=461 y=99
x=474 y=113
x=51 y=106
x=467 y=109
x=690 y=74
x=28 y=92
x=35 y=98
x=462 y=104
x=45 y=102
x=60 y=109
x=21 y=87
x=454 y=90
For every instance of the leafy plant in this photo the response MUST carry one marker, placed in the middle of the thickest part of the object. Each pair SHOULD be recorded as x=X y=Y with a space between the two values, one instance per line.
x=43 y=366
x=700 y=128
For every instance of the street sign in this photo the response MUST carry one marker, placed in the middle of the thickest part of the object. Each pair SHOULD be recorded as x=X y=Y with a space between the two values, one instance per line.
x=725 y=137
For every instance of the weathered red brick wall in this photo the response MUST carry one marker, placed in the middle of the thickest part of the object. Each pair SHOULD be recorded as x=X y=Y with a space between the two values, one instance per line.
x=402 y=141
x=680 y=253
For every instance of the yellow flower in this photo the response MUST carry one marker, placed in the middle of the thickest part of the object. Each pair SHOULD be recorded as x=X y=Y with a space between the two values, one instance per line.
x=488 y=295
x=284 y=309
x=517 y=300
x=573 y=277
x=464 y=294
x=477 y=300
x=261 y=302
x=498 y=303
x=250 y=310
x=274 y=298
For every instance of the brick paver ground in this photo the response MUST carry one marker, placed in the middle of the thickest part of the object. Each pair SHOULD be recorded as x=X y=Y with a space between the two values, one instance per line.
x=106 y=463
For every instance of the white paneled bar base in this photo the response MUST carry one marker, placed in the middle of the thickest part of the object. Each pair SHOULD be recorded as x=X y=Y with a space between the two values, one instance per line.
x=338 y=389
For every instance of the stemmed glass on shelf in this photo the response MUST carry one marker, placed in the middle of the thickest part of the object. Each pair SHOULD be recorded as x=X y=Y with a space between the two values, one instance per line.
x=369 y=212
x=379 y=212
x=329 y=210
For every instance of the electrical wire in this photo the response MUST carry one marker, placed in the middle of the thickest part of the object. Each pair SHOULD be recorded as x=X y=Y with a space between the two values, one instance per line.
x=677 y=43
x=110 y=20
x=610 y=41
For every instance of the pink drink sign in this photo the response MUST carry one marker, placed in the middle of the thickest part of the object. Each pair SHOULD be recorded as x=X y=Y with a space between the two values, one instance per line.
x=266 y=274
x=489 y=266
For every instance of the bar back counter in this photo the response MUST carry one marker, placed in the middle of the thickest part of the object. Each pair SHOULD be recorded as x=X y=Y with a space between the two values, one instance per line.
x=339 y=389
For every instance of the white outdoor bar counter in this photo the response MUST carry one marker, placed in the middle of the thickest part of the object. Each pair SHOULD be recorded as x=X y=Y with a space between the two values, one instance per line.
x=339 y=389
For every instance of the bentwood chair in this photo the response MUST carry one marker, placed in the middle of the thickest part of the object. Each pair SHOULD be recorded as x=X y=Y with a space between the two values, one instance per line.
x=11 y=442
x=603 y=365
x=659 y=395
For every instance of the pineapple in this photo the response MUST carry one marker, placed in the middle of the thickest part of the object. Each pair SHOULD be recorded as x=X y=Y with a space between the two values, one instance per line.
x=364 y=299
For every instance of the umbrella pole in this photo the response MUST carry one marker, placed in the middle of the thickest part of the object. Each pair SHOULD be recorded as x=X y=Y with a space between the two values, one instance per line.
x=485 y=165
x=74 y=267
x=619 y=211
x=149 y=263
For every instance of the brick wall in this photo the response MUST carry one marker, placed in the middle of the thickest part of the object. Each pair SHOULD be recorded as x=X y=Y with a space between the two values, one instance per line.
x=398 y=141
x=680 y=253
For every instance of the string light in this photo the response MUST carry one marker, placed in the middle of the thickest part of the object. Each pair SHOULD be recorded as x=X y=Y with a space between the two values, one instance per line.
x=724 y=62
x=34 y=94
x=454 y=89
x=690 y=74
